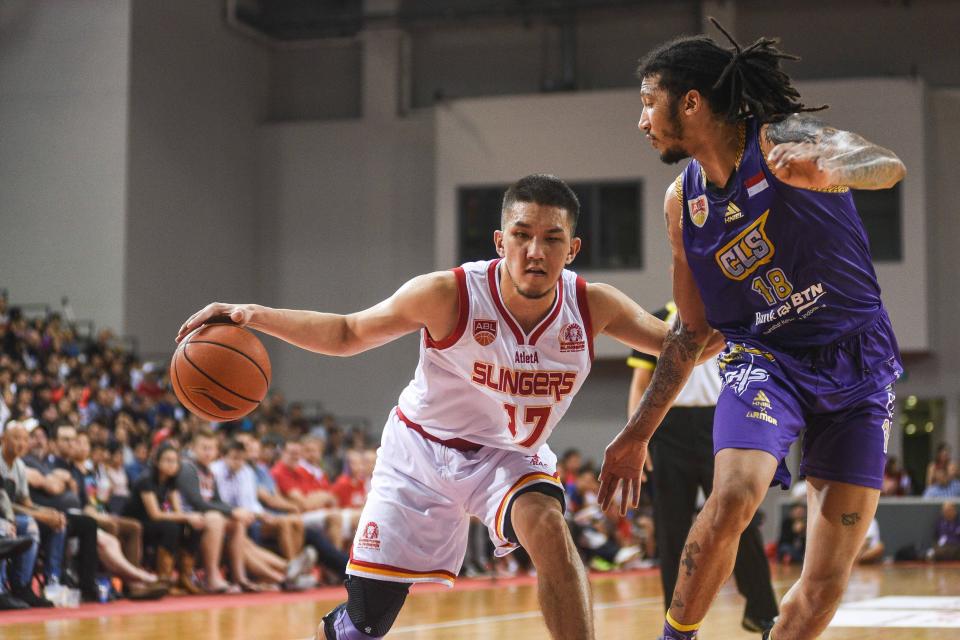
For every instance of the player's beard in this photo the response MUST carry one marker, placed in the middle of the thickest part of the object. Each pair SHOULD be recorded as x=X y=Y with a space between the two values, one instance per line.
x=675 y=153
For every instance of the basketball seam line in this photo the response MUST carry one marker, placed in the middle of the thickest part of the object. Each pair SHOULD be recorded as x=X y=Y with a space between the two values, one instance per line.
x=235 y=350
x=176 y=370
x=205 y=375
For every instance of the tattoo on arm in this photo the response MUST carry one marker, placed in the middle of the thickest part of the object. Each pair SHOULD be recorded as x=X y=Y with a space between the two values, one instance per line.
x=851 y=159
x=688 y=562
x=849 y=519
x=680 y=347
x=796 y=128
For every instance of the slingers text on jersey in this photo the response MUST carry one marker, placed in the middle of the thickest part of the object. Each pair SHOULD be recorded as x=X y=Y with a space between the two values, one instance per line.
x=490 y=382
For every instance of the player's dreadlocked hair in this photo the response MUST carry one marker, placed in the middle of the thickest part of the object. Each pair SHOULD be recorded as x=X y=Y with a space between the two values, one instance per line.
x=738 y=82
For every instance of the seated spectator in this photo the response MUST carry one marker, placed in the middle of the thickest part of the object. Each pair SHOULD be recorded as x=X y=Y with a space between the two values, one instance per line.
x=117 y=477
x=260 y=459
x=311 y=496
x=872 y=550
x=352 y=486
x=297 y=484
x=569 y=466
x=155 y=503
x=56 y=490
x=14 y=478
x=942 y=485
x=896 y=481
x=237 y=485
x=947 y=546
x=120 y=539
x=793 y=536
x=942 y=462
x=312 y=457
x=197 y=488
x=141 y=456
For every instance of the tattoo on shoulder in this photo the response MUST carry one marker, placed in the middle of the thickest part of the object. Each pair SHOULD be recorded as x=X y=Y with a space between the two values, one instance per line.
x=849 y=519
x=688 y=562
x=797 y=128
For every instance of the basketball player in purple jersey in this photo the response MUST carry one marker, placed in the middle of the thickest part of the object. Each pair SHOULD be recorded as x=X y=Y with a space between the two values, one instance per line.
x=769 y=250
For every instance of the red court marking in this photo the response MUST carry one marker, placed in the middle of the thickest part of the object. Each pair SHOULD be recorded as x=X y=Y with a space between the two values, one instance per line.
x=193 y=603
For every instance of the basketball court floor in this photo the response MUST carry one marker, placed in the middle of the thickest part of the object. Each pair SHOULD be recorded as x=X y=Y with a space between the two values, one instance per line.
x=883 y=603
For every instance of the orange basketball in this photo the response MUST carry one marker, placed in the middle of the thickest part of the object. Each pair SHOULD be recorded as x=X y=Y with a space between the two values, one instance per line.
x=220 y=372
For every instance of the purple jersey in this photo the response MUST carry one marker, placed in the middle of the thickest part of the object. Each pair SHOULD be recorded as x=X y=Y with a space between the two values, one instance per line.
x=777 y=265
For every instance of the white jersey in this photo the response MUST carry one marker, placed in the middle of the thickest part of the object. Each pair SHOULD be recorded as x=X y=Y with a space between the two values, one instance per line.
x=491 y=384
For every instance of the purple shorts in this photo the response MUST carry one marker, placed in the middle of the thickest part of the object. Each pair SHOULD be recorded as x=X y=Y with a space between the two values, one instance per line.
x=842 y=393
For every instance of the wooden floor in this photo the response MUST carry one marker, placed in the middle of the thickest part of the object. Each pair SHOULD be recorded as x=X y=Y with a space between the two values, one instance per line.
x=627 y=606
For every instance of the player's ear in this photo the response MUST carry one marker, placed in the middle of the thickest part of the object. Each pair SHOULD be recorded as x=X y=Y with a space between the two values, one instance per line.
x=574 y=250
x=498 y=242
x=691 y=102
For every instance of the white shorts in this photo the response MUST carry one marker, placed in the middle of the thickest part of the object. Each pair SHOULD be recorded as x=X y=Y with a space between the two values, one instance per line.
x=413 y=527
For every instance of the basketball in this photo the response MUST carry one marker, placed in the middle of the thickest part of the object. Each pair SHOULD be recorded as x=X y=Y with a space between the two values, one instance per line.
x=220 y=372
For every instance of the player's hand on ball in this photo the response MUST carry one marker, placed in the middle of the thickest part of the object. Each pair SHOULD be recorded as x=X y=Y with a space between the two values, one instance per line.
x=622 y=466
x=801 y=164
x=238 y=314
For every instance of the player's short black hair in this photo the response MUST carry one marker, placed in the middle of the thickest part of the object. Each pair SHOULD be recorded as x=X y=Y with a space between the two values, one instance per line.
x=737 y=82
x=542 y=189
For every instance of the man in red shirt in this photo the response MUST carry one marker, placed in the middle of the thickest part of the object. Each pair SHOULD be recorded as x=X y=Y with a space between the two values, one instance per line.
x=311 y=496
x=352 y=485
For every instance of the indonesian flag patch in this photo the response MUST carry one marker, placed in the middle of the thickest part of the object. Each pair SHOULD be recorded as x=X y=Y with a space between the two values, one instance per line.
x=756 y=184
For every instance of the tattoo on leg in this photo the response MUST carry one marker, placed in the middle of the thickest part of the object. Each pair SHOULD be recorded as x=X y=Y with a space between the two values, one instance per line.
x=677 y=602
x=849 y=519
x=689 y=551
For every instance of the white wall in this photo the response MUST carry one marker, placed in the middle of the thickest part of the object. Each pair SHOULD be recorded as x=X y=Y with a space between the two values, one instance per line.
x=585 y=136
x=197 y=94
x=346 y=218
x=63 y=117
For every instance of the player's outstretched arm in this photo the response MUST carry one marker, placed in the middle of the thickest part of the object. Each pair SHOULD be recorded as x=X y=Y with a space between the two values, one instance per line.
x=616 y=315
x=683 y=345
x=429 y=301
x=804 y=152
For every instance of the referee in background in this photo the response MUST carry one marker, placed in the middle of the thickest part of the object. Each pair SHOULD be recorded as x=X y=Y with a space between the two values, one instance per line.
x=681 y=454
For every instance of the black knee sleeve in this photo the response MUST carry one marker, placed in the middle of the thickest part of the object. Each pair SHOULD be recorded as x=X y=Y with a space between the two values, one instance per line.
x=373 y=605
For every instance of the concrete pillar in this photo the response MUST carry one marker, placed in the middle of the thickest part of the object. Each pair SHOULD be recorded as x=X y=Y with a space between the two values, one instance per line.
x=386 y=77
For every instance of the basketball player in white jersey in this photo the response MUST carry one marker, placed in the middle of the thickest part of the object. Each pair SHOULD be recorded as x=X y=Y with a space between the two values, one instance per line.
x=505 y=345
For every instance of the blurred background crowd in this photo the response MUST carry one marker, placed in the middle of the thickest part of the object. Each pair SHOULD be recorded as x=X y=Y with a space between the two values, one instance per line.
x=114 y=490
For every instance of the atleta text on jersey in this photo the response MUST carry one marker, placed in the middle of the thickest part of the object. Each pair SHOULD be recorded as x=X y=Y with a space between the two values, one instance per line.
x=771 y=261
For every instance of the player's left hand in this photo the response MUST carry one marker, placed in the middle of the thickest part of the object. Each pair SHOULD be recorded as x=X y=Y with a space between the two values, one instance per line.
x=801 y=164
x=622 y=466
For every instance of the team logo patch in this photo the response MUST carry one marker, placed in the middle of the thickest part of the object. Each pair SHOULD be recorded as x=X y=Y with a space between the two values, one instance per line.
x=739 y=378
x=535 y=461
x=747 y=252
x=699 y=210
x=370 y=538
x=571 y=338
x=484 y=331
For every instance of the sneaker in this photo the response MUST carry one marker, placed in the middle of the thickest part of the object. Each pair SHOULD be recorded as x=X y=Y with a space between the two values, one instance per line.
x=302 y=564
x=9 y=603
x=329 y=620
x=27 y=595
